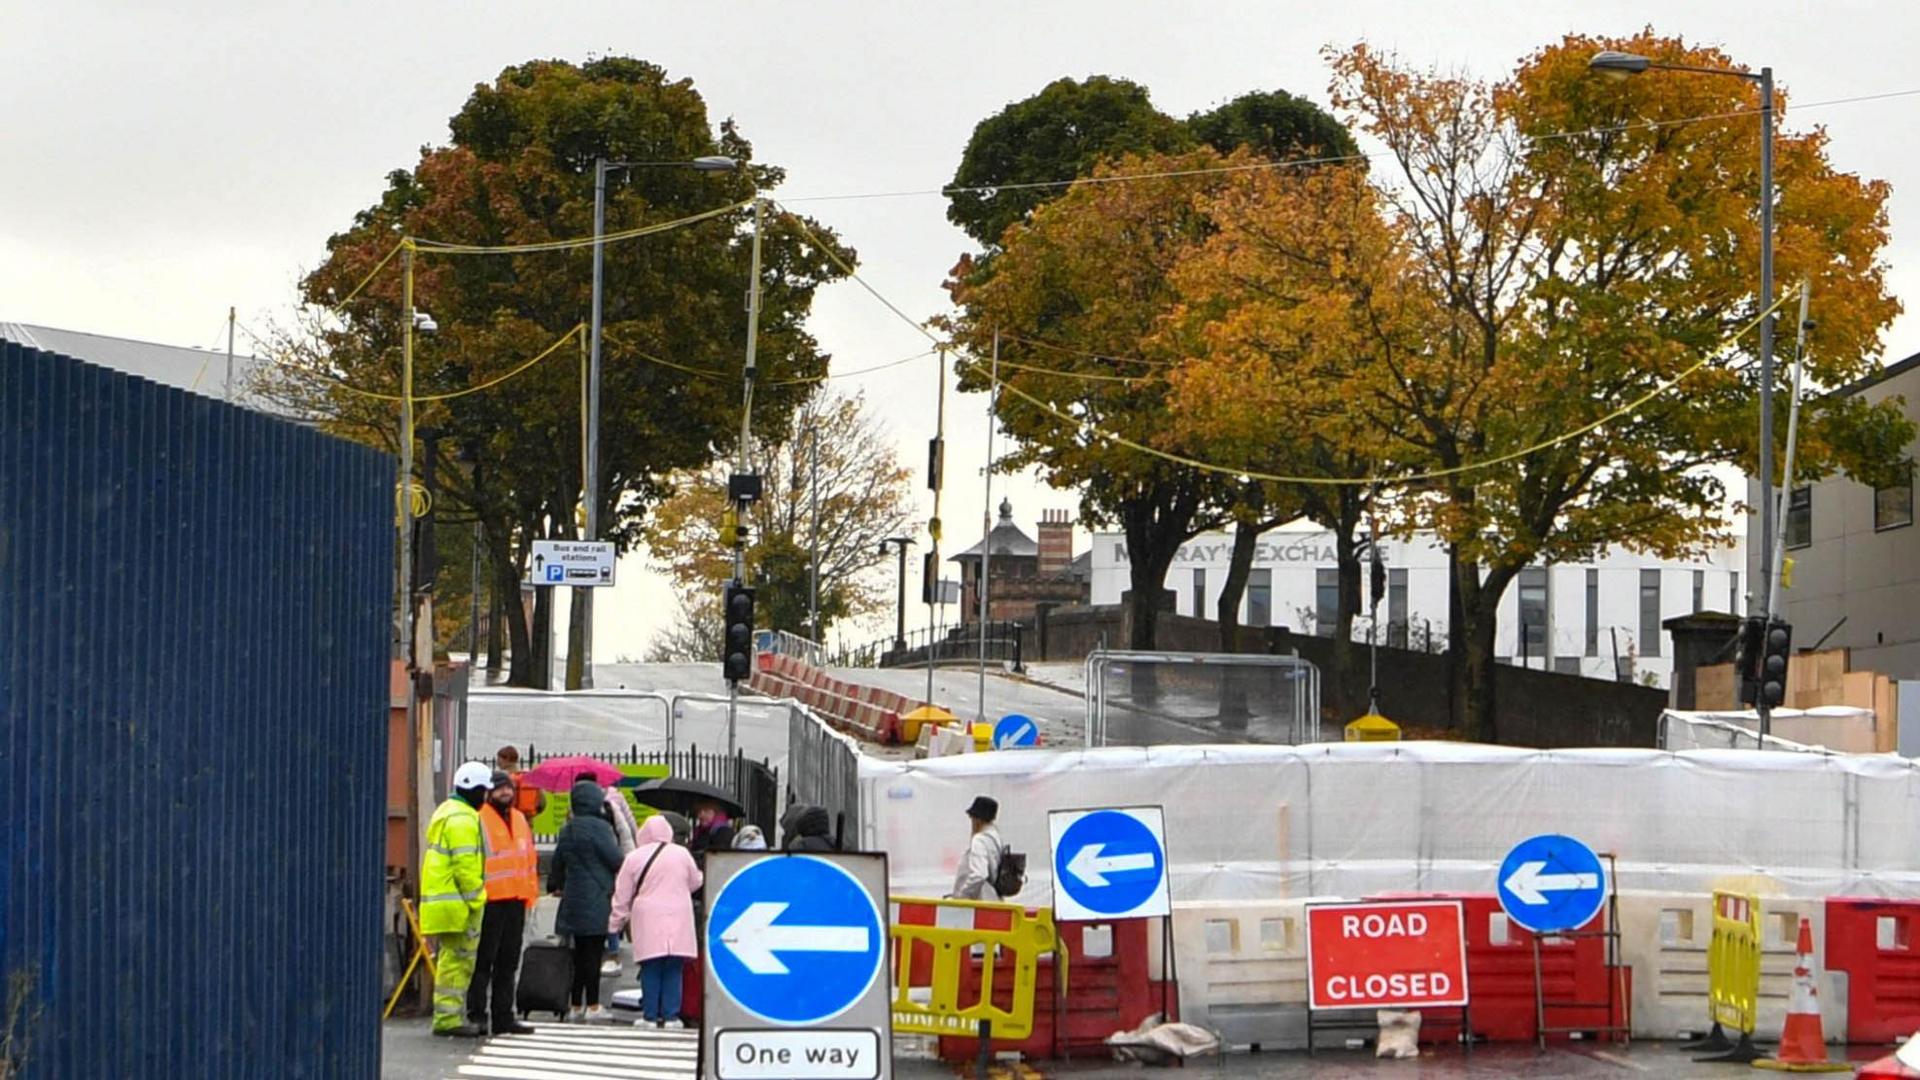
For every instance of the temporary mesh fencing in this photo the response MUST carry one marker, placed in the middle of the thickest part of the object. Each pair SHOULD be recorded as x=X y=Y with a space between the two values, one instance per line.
x=1263 y=822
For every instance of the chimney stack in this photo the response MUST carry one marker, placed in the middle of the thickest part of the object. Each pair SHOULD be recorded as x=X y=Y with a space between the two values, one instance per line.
x=1056 y=543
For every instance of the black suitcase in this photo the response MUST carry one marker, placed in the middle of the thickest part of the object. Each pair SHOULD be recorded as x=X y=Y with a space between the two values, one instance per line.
x=546 y=978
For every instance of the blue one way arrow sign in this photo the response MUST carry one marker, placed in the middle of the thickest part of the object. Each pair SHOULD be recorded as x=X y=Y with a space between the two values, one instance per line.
x=795 y=940
x=1015 y=730
x=1109 y=864
x=1552 y=883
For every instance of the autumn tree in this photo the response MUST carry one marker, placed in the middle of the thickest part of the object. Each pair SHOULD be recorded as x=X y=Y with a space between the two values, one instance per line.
x=1072 y=129
x=1283 y=312
x=519 y=170
x=1082 y=287
x=863 y=496
x=1581 y=245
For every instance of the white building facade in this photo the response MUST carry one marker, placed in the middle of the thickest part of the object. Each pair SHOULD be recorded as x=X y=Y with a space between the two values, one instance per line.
x=1595 y=618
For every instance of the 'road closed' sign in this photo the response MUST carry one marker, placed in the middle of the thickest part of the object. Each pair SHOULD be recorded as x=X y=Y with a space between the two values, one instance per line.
x=1407 y=954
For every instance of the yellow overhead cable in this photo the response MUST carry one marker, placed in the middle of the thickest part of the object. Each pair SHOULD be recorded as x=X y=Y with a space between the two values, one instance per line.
x=579 y=328
x=1411 y=478
x=1080 y=352
x=384 y=260
x=716 y=373
x=1088 y=375
x=1362 y=481
x=437 y=247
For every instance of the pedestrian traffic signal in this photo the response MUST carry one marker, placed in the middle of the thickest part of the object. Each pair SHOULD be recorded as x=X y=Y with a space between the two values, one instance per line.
x=1773 y=665
x=1746 y=658
x=737 y=646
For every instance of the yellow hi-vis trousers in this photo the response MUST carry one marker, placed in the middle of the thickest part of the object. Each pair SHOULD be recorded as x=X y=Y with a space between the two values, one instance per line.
x=452 y=971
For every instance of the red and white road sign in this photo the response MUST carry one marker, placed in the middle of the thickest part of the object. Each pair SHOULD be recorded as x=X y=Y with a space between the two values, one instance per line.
x=1389 y=954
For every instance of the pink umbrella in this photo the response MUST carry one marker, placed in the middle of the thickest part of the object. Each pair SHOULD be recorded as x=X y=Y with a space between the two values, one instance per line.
x=558 y=774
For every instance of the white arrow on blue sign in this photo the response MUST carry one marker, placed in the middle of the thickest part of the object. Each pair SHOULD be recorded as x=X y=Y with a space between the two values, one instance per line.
x=1552 y=883
x=1109 y=864
x=795 y=940
x=1015 y=730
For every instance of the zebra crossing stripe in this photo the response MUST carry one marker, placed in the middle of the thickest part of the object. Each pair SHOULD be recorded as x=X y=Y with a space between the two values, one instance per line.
x=575 y=1052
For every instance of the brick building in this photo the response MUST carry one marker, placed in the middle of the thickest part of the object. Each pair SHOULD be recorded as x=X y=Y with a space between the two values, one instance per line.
x=1023 y=572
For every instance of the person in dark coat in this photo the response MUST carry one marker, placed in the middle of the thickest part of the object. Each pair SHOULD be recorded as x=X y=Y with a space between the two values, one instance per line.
x=809 y=828
x=712 y=831
x=586 y=858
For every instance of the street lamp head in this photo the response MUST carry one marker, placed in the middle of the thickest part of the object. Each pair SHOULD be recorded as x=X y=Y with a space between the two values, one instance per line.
x=715 y=163
x=1618 y=65
x=423 y=323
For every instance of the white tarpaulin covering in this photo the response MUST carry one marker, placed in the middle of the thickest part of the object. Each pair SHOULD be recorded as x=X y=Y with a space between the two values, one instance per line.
x=1257 y=822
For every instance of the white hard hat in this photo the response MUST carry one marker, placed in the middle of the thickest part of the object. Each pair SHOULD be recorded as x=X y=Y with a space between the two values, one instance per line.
x=472 y=775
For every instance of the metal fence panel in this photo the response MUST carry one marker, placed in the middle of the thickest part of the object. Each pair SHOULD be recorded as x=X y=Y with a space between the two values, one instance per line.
x=823 y=769
x=194 y=602
x=1156 y=698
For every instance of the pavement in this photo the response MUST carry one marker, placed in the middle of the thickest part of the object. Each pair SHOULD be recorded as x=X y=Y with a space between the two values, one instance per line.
x=411 y=1053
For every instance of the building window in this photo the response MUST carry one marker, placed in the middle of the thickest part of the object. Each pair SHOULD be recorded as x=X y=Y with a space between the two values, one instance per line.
x=1199 y=594
x=1260 y=598
x=1397 y=608
x=1699 y=590
x=1800 y=517
x=1893 y=506
x=1533 y=611
x=1650 y=613
x=1733 y=594
x=1593 y=612
x=1326 y=602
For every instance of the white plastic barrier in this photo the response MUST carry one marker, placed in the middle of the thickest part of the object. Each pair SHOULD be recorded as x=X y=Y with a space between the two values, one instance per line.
x=1262 y=823
x=1664 y=940
x=1242 y=967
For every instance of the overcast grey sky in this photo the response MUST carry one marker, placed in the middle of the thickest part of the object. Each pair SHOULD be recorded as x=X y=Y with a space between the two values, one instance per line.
x=165 y=160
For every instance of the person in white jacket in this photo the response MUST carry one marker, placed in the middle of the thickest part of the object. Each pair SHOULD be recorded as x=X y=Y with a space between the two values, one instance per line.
x=974 y=878
x=628 y=833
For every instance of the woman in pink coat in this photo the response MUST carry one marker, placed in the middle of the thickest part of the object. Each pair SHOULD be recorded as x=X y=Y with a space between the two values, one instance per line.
x=655 y=890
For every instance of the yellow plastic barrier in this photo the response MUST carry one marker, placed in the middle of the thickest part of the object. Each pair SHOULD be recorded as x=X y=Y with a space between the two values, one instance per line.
x=1733 y=961
x=928 y=957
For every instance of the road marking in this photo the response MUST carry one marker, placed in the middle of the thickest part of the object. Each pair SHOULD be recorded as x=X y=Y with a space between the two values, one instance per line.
x=578 y=1051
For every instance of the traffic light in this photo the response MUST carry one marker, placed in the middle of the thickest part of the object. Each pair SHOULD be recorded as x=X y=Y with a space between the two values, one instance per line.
x=929 y=578
x=1746 y=658
x=1377 y=579
x=737 y=644
x=1773 y=663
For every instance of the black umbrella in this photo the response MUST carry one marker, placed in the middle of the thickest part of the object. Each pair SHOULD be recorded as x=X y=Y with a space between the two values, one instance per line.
x=679 y=793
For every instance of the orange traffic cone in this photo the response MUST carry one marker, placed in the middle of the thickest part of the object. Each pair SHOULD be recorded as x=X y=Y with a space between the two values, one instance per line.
x=1803 y=1047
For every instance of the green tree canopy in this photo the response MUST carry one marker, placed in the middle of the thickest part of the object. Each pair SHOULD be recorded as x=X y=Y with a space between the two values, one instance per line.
x=520 y=170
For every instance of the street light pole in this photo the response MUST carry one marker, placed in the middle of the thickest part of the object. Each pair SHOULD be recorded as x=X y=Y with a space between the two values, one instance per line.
x=986 y=525
x=591 y=481
x=813 y=516
x=1621 y=64
x=741 y=499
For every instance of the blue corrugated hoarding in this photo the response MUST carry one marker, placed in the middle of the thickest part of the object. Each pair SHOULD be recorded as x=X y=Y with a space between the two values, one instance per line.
x=193 y=603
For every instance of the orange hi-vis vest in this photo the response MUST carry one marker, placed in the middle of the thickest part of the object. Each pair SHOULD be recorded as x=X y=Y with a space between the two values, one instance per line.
x=513 y=869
